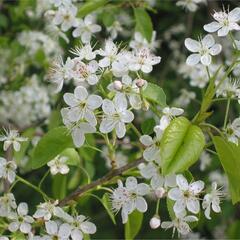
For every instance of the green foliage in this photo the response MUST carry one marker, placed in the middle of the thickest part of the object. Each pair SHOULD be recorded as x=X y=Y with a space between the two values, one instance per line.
x=229 y=156
x=154 y=94
x=91 y=6
x=72 y=155
x=133 y=226
x=59 y=186
x=143 y=23
x=50 y=145
x=181 y=146
x=147 y=126
x=107 y=205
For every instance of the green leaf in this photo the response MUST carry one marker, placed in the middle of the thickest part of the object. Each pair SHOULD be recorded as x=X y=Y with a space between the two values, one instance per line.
x=133 y=225
x=108 y=18
x=91 y=6
x=155 y=94
x=147 y=126
x=72 y=155
x=55 y=119
x=229 y=156
x=181 y=146
x=59 y=186
x=50 y=145
x=143 y=23
x=107 y=205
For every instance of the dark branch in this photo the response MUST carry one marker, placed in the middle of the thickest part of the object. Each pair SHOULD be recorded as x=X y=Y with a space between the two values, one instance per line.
x=114 y=173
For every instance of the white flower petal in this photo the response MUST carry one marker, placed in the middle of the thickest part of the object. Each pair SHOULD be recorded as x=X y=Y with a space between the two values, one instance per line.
x=212 y=27
x=81 y=93
x=192 y=45
x=182 y=182
x=193 y=59
x=141 y=204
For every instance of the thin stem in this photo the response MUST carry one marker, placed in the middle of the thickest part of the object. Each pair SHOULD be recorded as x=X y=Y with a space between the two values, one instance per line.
x=211 y=151
x=224 y=99
x=233 y=41
x=157 y=206
x=43 y=178
x=208 y=73
x=211 y=126
x=226 y=113
x=135 y=130
x=45 y=197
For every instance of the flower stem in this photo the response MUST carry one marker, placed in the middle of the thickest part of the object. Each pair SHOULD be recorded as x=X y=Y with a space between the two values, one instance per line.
x=43 y=178
x=226 y=113
x=45 y=197
x=135 y=130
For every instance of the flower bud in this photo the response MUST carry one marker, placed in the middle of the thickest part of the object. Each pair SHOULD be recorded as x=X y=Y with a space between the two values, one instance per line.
x=155 y=222
x=160 y=192
x=117 y=85
x=140 y=82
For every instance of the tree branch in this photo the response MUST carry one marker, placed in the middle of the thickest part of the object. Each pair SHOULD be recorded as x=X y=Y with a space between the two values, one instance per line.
x=114 y=173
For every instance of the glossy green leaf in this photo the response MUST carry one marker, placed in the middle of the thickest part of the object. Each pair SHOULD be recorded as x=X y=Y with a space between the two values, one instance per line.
x=181 y=146
x=155 y=94
x=147 y=126
x=143 y=23
x=91 y=6
x=72 y=155
x=229 y=156
x=50 y=145
x=133 y=225
x=107 y=205
x=59 y=186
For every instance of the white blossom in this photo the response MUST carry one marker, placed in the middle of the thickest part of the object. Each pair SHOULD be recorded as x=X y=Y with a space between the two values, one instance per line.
x=191 y=5
x=130 y=197
x=109 y=54
x=168 y=115
x=58 y=165
x=79 y=226
x=85 y=28
x=82 y=106
x=202 y=50
x=7 y=170
x=81 y=71
x=152 y=150
x=84 y=52
x=21 y=221
x=233 y=131
x=116 y=115
x=140 y=42
x=225 y=22
x=212 y=201
x=78 y=129
x=58 y=230
x=186 y=195
x=114 y=28
x=130 y=89
x=13 y=138
x=46 y=210
x=142 y=59
x=7 y=205
x=180 y=223
x=66 y=17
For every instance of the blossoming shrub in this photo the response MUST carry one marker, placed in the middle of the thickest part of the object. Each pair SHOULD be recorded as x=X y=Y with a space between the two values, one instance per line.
x=111 y=129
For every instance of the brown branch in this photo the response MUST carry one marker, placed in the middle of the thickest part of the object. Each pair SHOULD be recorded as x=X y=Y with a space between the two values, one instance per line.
x=114 y=173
